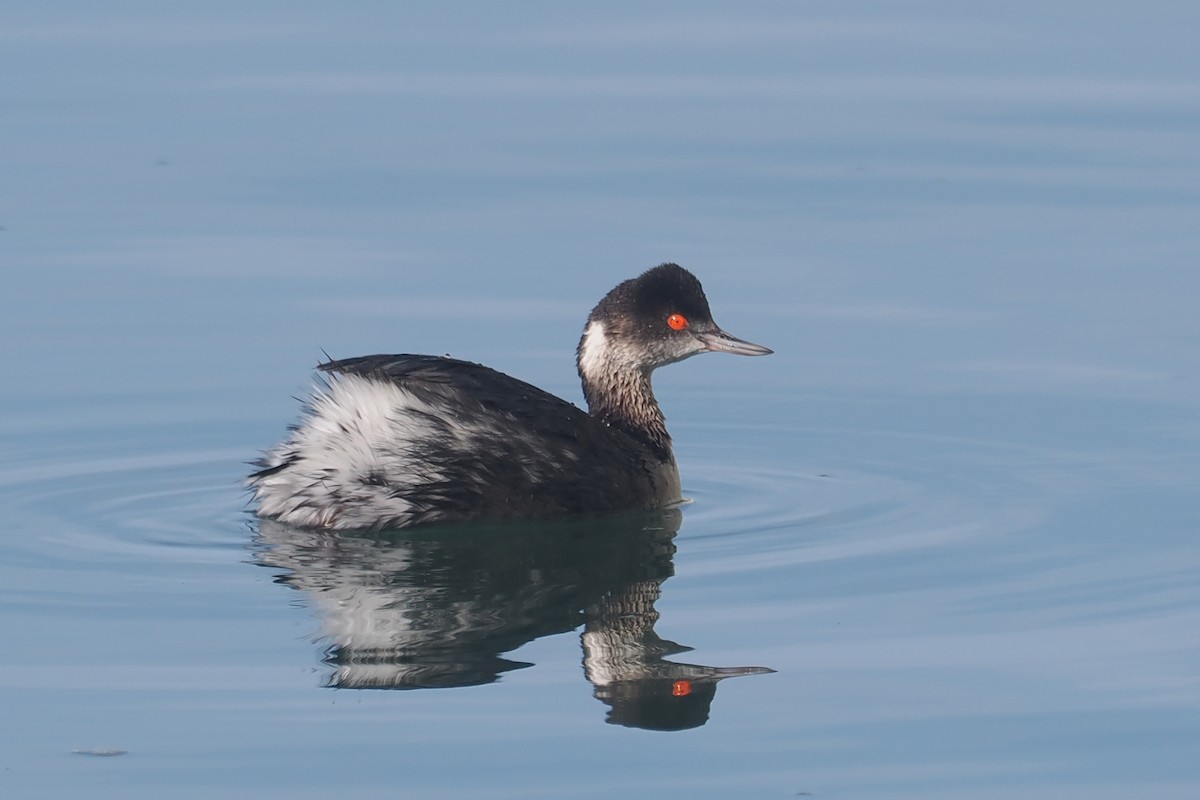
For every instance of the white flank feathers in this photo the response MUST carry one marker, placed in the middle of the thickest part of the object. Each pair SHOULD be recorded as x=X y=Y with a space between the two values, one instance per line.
x=354 y=427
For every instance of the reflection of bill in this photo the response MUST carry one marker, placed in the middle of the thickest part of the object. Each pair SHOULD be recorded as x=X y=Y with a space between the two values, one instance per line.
x=437 y=608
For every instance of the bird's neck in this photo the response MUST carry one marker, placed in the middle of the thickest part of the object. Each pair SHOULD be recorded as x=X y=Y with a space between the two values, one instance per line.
x=618 y=392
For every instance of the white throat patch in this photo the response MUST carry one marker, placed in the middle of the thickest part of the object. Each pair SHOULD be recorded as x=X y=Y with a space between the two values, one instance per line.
x=595 y=352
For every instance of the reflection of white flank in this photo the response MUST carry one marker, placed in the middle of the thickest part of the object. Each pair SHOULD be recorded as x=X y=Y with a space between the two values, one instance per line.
x=360 y=608
x=383 y=631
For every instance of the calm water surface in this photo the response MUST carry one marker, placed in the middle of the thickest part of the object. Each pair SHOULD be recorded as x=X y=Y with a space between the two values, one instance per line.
x=956 y=513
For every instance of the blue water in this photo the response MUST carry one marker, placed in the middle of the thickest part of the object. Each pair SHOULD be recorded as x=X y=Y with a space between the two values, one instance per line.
x=956 y=512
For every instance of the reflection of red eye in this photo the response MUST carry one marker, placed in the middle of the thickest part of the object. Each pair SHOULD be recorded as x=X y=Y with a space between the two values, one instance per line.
x=681 y=688
x=677 y=322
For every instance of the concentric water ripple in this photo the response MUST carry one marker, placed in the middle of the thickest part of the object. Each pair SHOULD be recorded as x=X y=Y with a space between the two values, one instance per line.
x=164 y=502
x=161 y=502
x=749 y=516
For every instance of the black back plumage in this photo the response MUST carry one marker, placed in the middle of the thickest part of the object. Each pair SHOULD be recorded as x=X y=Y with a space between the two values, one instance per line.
x=527 y=449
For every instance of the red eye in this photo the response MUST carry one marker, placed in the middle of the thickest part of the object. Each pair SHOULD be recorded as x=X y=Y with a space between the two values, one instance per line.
x=677 y=322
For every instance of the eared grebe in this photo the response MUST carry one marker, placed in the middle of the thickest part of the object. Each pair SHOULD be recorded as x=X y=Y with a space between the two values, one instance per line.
x=391 y=441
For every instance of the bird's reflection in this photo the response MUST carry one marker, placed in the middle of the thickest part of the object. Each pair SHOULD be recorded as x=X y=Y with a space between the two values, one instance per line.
x=439 y=607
